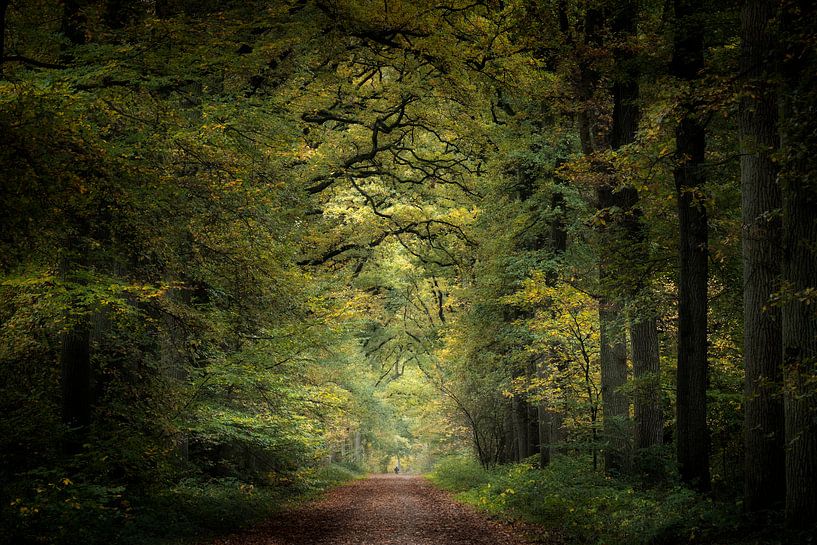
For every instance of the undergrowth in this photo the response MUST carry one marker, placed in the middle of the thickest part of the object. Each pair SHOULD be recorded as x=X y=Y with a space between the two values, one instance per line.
x=192 y=509
x=577 y=505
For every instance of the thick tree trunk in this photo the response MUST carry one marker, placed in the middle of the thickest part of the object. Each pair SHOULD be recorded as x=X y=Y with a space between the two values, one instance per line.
x=692 y=432
x=520 y=427
x=73 y=21
x=172 y=357
x=545 y=424
x=649 y=421
x=764 y=474
x=625 y=115
x=510 y=450
x=799 y=191
x=75 y=354
x=75 y=367
x=4 y=4
x=533 y=429
x=550 y=420
x=643 y=324
x=594 y=136
x=615 y=404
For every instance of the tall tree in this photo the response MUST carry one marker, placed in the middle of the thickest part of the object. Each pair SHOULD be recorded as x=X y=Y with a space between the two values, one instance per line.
x=643 y=326
x=690 y=139
x=550 y=419
x=4 y=4
x=799 y=191
x=75 y=350
x=595 y=135
x=764 y=475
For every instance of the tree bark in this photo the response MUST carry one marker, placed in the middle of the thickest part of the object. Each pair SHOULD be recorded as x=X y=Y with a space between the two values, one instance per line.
x=75 y=357
x=764 y=474
x=545 y=425
x=799 y=192
x=649 y=420
x=73 y=21
x=510 y=450
x=520 y=427
x=613 y=354
x=550 y=421
x=75 y=354
x=4 y=4
x=533 y=428
x=643 y=322
x=693 y=442
x=117 y=13
x=615 y=404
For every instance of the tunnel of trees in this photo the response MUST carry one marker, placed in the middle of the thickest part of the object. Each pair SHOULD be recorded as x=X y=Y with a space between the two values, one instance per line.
x=250 y=247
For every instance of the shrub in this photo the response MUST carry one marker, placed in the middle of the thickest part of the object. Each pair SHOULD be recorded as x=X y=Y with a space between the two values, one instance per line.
x=459 y=473
x=587 y=507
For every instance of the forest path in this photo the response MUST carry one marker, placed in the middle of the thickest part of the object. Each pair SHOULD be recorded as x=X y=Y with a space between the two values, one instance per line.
x=380 y=510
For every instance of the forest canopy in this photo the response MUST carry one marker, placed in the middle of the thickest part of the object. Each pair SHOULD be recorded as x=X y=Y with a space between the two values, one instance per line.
x=251 y=248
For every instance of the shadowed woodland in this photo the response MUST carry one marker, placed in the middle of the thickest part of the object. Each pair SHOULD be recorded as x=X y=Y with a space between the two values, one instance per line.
x=560 y=256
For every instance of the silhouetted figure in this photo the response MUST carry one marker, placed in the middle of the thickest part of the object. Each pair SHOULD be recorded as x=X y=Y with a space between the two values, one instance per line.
x=396 y=470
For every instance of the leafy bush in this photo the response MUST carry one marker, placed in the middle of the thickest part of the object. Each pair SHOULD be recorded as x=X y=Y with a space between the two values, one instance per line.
x=334 y=474
x=54 y=508
x=194 y=508
x=588 y=507
x=460 y=473
x=58 y=510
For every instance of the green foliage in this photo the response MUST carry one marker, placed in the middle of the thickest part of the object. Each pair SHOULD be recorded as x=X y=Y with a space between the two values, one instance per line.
x=582 y=506
x=194 y=507
x=56 y=509
x=303 y=238
x=460 y=473
x=59 y=510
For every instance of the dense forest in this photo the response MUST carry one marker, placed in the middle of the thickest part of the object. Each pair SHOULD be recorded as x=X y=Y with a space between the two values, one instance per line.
x=560 y=255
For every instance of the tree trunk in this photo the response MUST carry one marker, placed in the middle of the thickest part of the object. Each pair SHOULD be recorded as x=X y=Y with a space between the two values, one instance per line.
x=545 y=424
x=4 y=4
x=533 y=429
x=73 y=21
x=358 y=448
x=75 y=354
x=116 y=13
x=520 y=427
x=615 y=404
x=172 y=357
x=595 y=136
x=75 y=357
x=692 y=433
x=649 y=421
x=617 y=206
x=550 y=421
x=799 y=191
x=510 y=452
x=643 y=324
x=764 y=474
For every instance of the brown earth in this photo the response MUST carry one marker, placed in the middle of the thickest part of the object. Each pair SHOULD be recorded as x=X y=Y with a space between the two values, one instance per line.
x=380 y=510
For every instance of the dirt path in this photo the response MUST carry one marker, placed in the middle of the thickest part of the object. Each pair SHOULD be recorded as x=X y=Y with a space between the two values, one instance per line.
x=381 y=510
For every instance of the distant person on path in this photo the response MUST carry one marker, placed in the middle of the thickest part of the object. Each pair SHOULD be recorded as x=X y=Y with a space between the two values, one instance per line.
x=396 y=470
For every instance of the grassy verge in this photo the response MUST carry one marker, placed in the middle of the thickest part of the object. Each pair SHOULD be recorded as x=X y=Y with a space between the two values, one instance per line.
x=577 y=506
x=195 y=510
x=192 y=510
